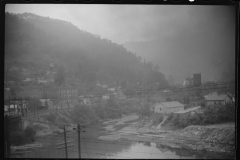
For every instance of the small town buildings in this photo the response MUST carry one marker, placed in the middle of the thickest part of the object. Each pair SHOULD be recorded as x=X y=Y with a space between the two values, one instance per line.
x=27 y=80
x=30 y=94
x=184 y=114
x=168 y=107
x=61 y=97
x=216 y=99
x=111 y=89
x=45 y=103
x=15 y=107
x=105 y=97
x=13 y=110
x=42 y=81
x=119 y=95
x=84 y=100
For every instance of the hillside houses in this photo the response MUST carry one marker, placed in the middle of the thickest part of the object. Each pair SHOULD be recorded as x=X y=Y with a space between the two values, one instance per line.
x=60 y=97
x=15 y=107
x=119 y=95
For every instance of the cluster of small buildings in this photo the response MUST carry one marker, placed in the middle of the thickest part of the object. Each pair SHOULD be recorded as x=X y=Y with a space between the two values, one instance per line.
x=46 y=98
x=58 y=98
x=179 y=109
x=90 y=99
x=15 y=107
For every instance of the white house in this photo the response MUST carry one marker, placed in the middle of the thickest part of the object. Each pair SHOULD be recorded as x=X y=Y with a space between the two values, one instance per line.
x=218 y=99
x=168 y=107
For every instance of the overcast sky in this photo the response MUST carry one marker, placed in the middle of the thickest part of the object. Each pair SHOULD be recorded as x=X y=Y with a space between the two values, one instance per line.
x=124 y=23
x=201 y=30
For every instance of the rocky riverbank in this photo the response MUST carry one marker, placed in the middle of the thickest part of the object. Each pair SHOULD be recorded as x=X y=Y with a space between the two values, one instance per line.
x=214 y=138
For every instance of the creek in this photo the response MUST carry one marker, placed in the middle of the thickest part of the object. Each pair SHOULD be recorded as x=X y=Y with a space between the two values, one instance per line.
x=110 y=145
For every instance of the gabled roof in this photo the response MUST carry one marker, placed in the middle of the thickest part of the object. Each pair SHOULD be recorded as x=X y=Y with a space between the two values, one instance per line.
x=210 y=94
x=170 y=104
x=216 y=97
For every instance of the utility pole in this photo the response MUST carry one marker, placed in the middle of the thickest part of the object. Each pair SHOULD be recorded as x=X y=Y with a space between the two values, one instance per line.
x=68 y=106
x=79 y=141
x=65 y=140
x=9 y=106
x=7 y=137
x=5 y=140
x=61 y=99
x=37 y=109
x=65 y=143
x=22 y=108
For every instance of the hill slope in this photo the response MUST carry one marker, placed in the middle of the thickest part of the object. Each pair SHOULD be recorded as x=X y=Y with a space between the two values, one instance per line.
x=34 y=42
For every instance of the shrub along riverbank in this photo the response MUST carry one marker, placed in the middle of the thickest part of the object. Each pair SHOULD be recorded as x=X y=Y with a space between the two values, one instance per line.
x=22 y=137
x=215 y=114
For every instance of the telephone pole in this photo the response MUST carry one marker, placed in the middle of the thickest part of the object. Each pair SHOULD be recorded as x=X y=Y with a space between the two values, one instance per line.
x=65 y=140
x=7 y=136
x=79 y=141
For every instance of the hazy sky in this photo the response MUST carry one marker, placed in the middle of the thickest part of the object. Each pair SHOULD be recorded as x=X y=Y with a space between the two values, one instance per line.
x=208 y=32
x=124 y=23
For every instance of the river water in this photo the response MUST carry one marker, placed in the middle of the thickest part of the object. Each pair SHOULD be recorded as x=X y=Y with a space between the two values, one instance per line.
x=93 y=147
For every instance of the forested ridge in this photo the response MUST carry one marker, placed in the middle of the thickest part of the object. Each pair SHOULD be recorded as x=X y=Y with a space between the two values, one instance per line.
x=33 y=42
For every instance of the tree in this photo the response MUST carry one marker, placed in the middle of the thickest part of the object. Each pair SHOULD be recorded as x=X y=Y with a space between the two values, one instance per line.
x=100 y=111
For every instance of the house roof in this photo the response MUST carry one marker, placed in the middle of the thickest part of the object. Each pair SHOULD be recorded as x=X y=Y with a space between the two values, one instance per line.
x=170 y=104
x=189 y=110
x=210 y=94
x=216 y=97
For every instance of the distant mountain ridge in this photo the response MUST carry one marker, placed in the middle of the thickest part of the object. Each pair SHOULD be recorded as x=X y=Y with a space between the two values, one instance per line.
x=34 y=41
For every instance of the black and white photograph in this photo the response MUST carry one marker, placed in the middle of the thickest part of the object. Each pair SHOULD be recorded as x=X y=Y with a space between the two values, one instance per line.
x=120 y=81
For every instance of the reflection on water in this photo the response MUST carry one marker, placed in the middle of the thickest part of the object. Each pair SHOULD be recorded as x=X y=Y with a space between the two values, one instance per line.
x=91 y=147
x=121 y=150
